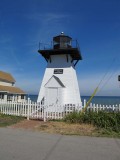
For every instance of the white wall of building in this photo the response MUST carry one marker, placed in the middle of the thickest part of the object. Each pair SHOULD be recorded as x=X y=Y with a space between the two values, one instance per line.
x=68 y=95
x=5 y=83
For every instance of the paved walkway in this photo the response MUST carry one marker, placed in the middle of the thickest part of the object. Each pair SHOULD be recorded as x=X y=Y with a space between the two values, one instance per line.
x=18 y=144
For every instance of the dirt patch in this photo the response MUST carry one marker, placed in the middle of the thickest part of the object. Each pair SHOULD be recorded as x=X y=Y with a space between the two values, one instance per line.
x=25 y=124
x=56 y=127
x=66 y=129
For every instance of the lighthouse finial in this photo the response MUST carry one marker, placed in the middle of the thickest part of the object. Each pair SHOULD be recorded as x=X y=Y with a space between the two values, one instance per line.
x=62 y=33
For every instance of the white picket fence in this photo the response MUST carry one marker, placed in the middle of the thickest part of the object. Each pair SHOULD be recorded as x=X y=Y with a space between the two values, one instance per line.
x=33 y=110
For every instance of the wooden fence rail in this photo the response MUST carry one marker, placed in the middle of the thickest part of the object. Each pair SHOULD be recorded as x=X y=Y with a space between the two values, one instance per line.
x=33 y=110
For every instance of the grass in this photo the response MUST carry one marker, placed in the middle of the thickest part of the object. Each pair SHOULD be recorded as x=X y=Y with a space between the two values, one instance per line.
x=101 y=124
x=106 y=123
x=7 y=120
x=101 y=119
x=101 y=132
x=66 y=128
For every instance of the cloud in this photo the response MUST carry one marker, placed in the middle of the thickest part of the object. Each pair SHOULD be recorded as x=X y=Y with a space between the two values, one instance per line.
x=108 y=87
x=45 y=26
x=49 y=23
x=29 y=85
x=46 y=17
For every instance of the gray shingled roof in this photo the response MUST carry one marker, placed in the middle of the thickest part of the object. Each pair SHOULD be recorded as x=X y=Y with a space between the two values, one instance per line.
x=6 y=77
x=11 y=89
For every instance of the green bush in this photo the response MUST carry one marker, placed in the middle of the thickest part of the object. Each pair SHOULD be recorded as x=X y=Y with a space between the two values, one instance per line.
x=102 y=119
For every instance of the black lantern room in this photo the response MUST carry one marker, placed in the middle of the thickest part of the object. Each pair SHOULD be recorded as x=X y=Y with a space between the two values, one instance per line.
x=62 y=44
x=118 y=77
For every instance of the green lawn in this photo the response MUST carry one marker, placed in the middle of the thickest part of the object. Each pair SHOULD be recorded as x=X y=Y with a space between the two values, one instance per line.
x=7 y=120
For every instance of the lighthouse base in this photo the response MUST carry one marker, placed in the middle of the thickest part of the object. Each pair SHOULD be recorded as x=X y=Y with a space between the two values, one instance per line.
x=60 y=84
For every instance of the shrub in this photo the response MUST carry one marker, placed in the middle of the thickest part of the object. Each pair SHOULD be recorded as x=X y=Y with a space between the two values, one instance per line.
x=102 y=119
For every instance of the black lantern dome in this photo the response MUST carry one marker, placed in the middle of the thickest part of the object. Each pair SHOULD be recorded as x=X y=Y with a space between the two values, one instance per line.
x=62 y=41
x=62 y=44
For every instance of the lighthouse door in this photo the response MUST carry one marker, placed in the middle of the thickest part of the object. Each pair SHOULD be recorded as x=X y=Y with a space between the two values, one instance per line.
x=53 y=87
x=52 y=96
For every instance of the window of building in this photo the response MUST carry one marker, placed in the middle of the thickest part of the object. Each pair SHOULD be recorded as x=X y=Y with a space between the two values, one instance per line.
x=22 y=96
x=1 y=96
x=9 y=97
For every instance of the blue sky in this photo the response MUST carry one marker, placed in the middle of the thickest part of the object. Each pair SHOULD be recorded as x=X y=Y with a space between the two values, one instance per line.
x=95 y=24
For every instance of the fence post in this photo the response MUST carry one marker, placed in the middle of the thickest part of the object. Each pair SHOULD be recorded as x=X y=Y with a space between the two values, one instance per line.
x=84 y=103
x=28 y=109
x=97 y=108
x=113 y=107
x=44 y=114
x=94 y=107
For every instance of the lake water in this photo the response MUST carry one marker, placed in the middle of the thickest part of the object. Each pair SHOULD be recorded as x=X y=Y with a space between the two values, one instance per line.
x=97 y=99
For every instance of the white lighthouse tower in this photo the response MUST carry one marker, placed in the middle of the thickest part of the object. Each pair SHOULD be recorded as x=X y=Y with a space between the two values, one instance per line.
x=60 y=84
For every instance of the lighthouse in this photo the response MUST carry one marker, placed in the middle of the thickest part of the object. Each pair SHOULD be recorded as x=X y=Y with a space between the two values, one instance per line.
x=60 y=85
